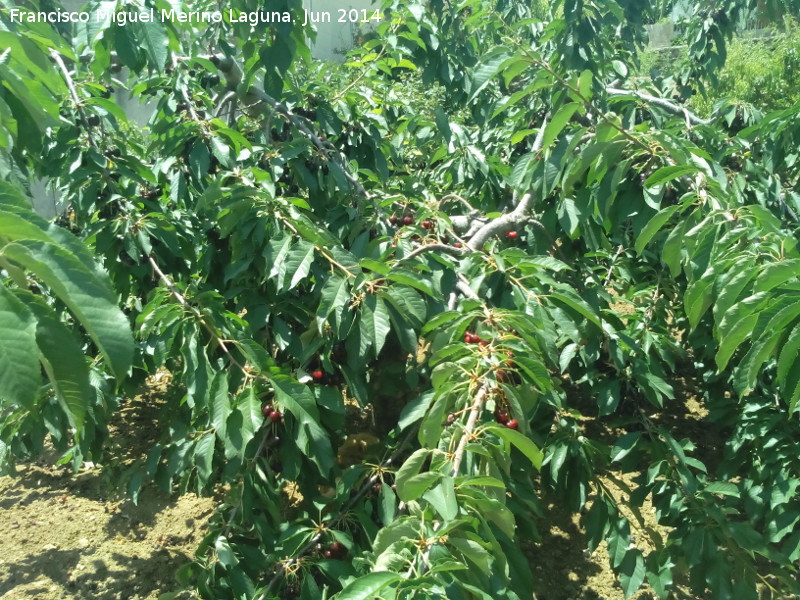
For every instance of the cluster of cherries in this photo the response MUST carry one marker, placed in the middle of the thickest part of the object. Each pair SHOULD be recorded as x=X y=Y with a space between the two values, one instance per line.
x=335 y=550
x=501 y=416
x=271 y=413
x=471 y=338
x=409 y=220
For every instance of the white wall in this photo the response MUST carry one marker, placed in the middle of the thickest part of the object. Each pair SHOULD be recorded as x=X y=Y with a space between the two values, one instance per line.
x=333 y=36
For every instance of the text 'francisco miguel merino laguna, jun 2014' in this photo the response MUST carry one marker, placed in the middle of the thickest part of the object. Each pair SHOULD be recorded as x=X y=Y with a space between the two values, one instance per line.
x=151 y=15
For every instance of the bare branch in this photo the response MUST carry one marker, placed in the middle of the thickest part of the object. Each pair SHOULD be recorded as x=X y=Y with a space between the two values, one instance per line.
x=446 y=248
x=663 y=103
x=502 y=224
x=71 y=86
x=469 y=428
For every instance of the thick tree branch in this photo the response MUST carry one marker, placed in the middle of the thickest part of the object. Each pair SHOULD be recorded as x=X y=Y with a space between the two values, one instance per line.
x=663 y=103
x=502 y=224
x=516 y=217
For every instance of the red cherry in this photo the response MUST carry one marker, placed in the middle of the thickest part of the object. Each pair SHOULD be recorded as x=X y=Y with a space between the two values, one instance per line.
x=513 y=424
x=482 y=342
x=426 y=224
x=393 y=220
x=275 y=416
x=317 y=375
x=408 y=220
x=266 y=409
x=457 y=245
x=467 y=337
x=512 y=235
x=328 y=554
x=501 y=416
x=337 y=549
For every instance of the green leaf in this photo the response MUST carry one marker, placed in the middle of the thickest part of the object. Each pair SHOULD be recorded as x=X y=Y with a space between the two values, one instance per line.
x=788 y=354
x=733 y=338
x=473 y=551
x=576 y=303
x=203 y=456
x=488 y=67
x=415 y=410
x=558 y=122
x=298 y=263
x=775 y=274
x=624 y=445
x=665 y=174
x=631 y=572
x=585 y=85
x=415 y=281
x=152 y=37
x=697 y=299
x=443 y=498
x=407 y=302
x=333 y=299
x=311 y=437
x=535 y=372
x=89 y=298
x=225 y=554
x=375 y=323
x=523 y=443
x=20 y=377
x=412 y=465
x=220 y=404
x=653 y=226
x=416 y=486
x=722 y=487
x=63 y=360
x=367 y=586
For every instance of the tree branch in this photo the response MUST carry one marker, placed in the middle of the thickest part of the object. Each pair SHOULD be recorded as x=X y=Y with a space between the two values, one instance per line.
x=663 y=103
x=469 y=428
x=447 y=249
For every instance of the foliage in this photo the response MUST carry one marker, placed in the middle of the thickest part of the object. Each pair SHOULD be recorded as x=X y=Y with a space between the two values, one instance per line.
x=289 y=238
x=761 y=73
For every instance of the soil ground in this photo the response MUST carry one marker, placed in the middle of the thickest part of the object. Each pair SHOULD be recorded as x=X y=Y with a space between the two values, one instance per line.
x=65 y=538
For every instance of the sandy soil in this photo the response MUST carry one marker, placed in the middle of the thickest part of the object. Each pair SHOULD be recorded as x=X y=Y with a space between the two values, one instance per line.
x=66 y=538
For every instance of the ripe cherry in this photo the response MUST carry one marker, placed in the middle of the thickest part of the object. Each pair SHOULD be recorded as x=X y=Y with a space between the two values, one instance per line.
x=328 y=554
x=317 y=375
x=426 y=224
x=501 y=416
x=266 y=410
x=483 y=342
x=513 y=424
x=275 y=416
x=408 y=220
x=393 y=220
x=457 y=245
x=337 y=549
x=471 y=338
x=512 y=235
